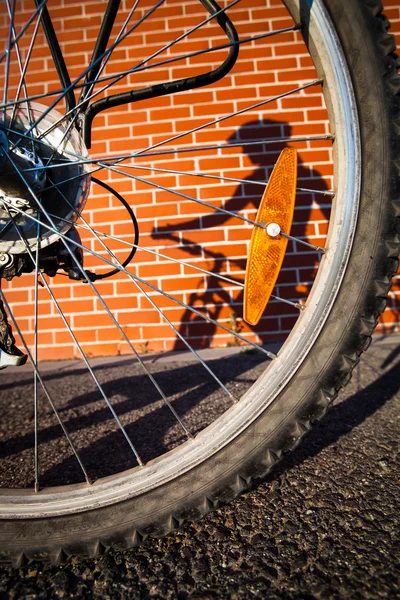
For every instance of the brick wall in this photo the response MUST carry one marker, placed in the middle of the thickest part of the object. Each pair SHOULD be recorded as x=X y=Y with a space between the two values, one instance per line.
x=178 y=226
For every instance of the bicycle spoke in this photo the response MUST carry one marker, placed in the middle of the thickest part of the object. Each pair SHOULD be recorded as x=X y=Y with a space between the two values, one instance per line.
x=162 y=314
x=167 y=61
x=113 y=319
x=70 y=87
x=182 y=150
x=85 y=98
x=67 y=247
x=23 y=70
x=159 y=63
x=35 y=354
x=190 y=348
x=198 y=201
x=88 y=86
x=80 y=350
x=234 y=282
x=38 y=9
x=30 y=98
x=232 y=114
x=215 y=208
x=121 y=76
x=8 y=59
x=118 y=265
x=208 y=124
x=46 y=392
x=104 y=165
x=311 y=191
x=216 y=177
x=62 y=237
x=106 y=308
x=202 y=315
x=120 y=158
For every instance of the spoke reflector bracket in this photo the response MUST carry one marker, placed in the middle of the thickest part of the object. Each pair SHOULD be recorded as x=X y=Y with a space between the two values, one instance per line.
x=267 y=246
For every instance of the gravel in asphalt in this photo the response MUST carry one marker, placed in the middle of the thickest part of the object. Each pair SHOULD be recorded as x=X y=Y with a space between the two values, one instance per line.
x=324 y=524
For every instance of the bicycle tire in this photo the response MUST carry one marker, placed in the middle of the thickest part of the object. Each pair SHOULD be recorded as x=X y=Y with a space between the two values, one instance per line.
x=369 y=53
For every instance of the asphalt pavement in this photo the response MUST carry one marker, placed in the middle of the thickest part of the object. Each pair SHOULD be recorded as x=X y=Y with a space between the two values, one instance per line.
x=324 y=524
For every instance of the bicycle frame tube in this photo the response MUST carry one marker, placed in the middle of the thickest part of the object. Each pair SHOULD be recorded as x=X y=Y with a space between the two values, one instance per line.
x=100 y=47
x=56 y=53
x=89 y=111
x=170 y=87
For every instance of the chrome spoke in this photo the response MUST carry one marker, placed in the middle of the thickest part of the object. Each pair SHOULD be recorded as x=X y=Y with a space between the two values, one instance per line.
x=216 y=177
x=198 y=313
x=168 y=61
x=78 y=346
x=215 y=208
x=88 y=86
x=180 y=135
x=230 y=115
x=85 y=98
x=106 y=308
x=323 y=192
x=319 y=249
x=160 y=63
x=121 y=76
x=8 y=59
x=234 y=282
x=104 y=166
x=35 y=354
x=23 y=70
x=106 y=163
x=31 y=98
x=23 y=30
x=119 y=158
x=118 y=265
x=45 y=390
x=160 y=312
x=88 y=280
x=70 y=87
x=189 y=347
x=64 y=239
x=183 y=149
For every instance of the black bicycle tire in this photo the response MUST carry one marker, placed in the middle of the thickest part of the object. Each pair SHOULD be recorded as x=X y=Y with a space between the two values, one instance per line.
x=369 y=50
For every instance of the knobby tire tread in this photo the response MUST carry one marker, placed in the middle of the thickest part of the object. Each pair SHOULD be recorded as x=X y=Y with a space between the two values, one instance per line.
x=383 y=266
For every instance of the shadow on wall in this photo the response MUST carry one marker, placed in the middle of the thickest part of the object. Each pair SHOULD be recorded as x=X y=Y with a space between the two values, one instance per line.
x=219 y=300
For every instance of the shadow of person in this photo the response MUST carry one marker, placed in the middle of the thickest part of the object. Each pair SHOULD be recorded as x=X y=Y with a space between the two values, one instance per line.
x=311 y=202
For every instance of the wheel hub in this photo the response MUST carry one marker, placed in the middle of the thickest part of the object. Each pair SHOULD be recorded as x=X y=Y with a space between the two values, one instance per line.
x=39 y=174
x=12 y=188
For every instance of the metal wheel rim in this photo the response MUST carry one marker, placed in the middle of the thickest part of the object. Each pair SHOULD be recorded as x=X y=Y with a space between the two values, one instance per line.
x=343 y=114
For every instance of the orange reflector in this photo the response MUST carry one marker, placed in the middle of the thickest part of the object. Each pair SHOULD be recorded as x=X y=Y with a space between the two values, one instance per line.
x=267 y=248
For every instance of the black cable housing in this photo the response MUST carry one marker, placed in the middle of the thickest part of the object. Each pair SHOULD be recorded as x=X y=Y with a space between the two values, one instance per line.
x=135 y=226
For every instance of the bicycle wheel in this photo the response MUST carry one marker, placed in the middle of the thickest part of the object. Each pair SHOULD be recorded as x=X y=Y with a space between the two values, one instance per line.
x=236 y=425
